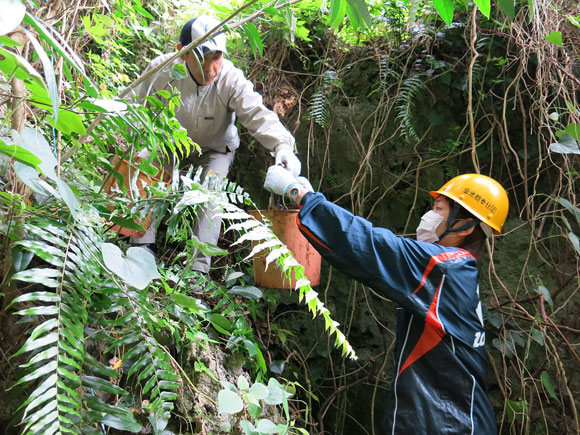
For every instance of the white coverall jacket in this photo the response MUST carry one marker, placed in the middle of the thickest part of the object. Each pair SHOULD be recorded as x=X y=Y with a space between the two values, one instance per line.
x=208 y=113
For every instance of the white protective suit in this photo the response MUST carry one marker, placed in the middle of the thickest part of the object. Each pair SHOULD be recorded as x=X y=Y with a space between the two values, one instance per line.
x=208 y=113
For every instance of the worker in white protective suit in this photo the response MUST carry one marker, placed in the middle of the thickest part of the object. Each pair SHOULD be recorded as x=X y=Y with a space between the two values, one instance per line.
x=213 y=95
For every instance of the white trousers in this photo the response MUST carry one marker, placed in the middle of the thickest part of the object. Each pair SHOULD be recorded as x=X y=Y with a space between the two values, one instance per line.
x=207 y=226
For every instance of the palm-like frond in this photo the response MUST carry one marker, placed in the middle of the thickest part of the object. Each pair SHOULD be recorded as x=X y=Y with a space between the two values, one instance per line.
x=76 y=304
x=228 y=196
x=59 y=363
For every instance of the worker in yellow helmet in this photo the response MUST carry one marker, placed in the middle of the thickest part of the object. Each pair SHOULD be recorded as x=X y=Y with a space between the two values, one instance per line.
x=440 y=359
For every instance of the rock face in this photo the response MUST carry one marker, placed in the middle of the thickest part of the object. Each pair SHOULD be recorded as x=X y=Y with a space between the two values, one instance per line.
x=206 y=369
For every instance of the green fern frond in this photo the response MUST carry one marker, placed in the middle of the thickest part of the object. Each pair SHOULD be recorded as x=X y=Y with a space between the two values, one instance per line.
x=410 y=91
x=250 y=229
x=58 y=361
x=319 y=105
x=318 y=109
x=259 y=232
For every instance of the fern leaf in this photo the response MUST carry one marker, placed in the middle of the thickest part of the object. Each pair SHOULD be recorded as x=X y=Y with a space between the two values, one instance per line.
x=410 y=91
x=58 y=359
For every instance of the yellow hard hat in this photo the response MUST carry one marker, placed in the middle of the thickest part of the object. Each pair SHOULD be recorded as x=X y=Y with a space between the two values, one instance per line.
x=479 y=194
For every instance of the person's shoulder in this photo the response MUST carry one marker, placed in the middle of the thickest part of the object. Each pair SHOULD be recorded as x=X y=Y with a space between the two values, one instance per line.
x=435 y=252
x=163 y=58
x=230 y=72
x=229 y=79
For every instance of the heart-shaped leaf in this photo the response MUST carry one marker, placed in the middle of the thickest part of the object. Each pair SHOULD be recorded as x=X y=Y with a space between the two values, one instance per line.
x=555 y=38
x=137 y=268
x=229 y=402
x=178 y=72
x=566 y=145
x=12 y=15
x=250 y=292
x=33 y=141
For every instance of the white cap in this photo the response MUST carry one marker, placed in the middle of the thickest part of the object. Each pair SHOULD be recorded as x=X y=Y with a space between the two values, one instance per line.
x=198 y=27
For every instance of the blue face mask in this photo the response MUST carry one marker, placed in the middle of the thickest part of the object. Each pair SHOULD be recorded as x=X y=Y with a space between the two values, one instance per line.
x=426 y=231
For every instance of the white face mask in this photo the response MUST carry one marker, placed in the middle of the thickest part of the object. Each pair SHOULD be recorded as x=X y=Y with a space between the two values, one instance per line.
x=429 y=223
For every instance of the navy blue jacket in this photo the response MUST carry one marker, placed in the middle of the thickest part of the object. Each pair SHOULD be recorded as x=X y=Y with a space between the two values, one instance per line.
x=438 y=385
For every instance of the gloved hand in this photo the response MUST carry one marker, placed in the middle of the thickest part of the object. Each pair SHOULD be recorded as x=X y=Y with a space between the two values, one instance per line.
x=288 y=159
x=279 y=179
x=305 y=183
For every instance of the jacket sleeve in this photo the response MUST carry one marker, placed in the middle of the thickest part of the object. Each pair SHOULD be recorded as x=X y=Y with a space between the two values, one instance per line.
x=262 y=123
x=153 y=83
x=392 y=265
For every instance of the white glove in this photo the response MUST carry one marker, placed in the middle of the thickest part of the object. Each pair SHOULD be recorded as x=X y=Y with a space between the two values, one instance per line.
x=288 y=159
x=305 y=183
x=279 y=179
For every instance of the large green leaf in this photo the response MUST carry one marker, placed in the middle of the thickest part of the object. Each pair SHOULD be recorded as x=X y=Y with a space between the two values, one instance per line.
x=575 y=241
x=122 y=423
x=570 y=207
x=548 y=386
x=259 y=391
x=69 y=198
x=566 y=145
x=250 y=292
x=221 y=323
x=484 y=6
x=508 y=8
x=254 y=38
x=12 y=14
x=49 y=74
x=31 y=178
x=67 y=53
x=445 y=9
x=137 y=268
x=541 y=290
x=206 y=247
x=266 y=426
x=555 y=38
x=96 y=404
x=12 y=64
x=67 y=121
x=359 y=14
x=337 y=12
x=19 y=153
x=571 y=129
x=276 y=393
x=33 y=141
x=193 y=304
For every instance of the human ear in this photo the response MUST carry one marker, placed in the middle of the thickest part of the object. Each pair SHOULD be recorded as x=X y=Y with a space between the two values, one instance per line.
x=179 y=47
x=466 y=232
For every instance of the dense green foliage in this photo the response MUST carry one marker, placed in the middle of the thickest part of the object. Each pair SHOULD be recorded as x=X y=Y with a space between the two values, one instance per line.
x=386 y=102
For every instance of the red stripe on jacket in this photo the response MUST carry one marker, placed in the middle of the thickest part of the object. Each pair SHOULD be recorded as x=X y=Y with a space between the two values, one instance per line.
x=308 y=233
x=439 y=258
x=431 y=336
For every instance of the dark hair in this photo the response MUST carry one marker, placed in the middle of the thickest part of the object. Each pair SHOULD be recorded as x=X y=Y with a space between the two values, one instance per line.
x=473 y=242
